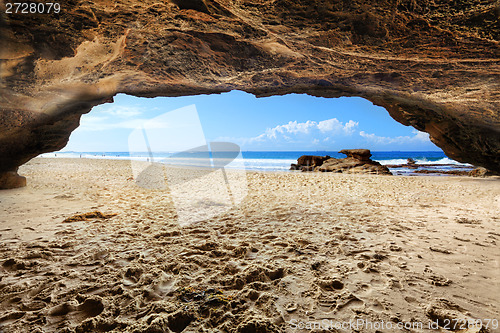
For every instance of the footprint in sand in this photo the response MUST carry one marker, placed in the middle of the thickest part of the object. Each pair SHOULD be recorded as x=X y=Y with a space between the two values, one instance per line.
x=326 y=303
x=377 y=305
x=14 y=265
x=378 y=284
x=364 y=290
x=132 y=276
x=33 y=306
x=411 y=299
x=436 y=279
x=330 y=284
x=10 y=318
x=76 y=313
x=349 y=302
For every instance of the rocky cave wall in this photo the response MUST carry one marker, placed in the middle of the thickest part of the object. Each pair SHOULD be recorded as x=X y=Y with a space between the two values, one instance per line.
x=433 y=64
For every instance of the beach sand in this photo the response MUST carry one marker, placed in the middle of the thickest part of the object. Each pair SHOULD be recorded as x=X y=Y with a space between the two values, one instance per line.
x=300 y=253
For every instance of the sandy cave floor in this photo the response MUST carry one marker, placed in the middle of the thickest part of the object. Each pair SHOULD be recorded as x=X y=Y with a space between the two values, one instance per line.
x=300 y=249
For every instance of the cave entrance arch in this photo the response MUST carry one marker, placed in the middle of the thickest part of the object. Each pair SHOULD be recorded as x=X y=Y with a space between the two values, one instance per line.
x=51 y=128
x=271 y=131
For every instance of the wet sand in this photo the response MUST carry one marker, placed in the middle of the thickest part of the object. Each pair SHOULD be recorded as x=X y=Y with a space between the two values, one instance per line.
x=300 y=252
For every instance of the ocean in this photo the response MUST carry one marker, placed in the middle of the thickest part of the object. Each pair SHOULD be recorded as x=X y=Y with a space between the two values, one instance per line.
x=281 y=160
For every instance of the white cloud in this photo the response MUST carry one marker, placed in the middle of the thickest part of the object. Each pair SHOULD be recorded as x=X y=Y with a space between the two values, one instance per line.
x=418 y=137
x=334 y=125
x=311 y=134
x=350 y=126
x=259 y=138
x=293 y=128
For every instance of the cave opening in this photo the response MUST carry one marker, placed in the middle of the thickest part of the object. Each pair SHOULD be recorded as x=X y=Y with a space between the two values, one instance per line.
x=272 y=132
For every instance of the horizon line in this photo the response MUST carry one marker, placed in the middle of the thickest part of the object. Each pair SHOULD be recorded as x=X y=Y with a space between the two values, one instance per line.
x=257 y=151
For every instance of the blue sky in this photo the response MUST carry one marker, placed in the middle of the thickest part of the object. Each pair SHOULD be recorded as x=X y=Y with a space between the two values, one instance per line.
x=279 y=123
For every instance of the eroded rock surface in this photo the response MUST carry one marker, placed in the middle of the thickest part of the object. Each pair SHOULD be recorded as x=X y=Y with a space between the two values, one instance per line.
x=11 y=179
x=309 y=162
x=433 y=65
x=359 y=154
x=357 y=161
x=482 y=172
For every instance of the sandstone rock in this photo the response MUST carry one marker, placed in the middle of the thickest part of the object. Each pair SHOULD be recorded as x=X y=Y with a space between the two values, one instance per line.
x=199 y=5
x=308 y=162
x=11 y=179
x=339 y=164
x=411 y=164
x=481 y=172
x=311 y=160
x=353 y=165
x=359 y=154
x=305 y=168
x=357 y=161
x=437 y=74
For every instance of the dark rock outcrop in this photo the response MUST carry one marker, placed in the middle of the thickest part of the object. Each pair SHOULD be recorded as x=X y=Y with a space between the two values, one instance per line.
x=411 y=164
x=312 y=160
x=357 y=161
x=433 y=64
x=357 y=154
x=308 y=162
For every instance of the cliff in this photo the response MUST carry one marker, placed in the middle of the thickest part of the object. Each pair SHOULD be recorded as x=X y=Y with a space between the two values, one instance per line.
x=433 y=65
